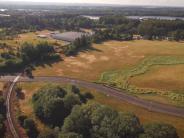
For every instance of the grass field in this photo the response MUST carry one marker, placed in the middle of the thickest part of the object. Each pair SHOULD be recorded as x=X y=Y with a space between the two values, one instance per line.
x=32 y=38
x=112 y=55
x=121 y=79
x=168 y=77
x=144 y=115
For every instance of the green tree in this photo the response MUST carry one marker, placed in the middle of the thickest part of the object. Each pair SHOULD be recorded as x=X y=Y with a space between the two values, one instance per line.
x=70 y=100
x=30 y=128
x=48 y=104
x=2 y=126
x=97 y=121
x=159 y=130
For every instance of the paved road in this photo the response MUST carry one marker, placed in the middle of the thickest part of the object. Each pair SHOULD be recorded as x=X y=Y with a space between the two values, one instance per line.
x=8 y=114
x=119 y=94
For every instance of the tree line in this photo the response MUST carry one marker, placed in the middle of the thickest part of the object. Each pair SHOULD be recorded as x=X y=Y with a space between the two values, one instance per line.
x=116 y=26
x=22 y=23
x=12 y=61
x=161 y=29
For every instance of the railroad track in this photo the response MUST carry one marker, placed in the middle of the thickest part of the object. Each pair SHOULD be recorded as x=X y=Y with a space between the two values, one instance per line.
x=8 y=106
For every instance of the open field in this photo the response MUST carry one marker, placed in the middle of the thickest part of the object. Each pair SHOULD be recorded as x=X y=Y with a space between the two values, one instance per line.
x=32 y=38
x=112 y=55
x=161 y=77
x=144 y=115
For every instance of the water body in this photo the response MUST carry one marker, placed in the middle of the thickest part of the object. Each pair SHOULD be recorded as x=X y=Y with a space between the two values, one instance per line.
x=4 y=15
x=155 y=17
x=3 y=10
x=92 y=17
x=140 y=17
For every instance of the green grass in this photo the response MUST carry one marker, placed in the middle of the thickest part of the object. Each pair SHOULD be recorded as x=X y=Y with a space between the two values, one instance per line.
x=120 y=79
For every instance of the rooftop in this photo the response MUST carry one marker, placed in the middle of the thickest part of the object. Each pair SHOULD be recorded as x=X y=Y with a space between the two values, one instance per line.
x=67 y=36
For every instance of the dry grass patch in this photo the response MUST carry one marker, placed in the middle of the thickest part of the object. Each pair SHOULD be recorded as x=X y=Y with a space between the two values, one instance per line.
x=90 y=64
x=162 y=77
x=111 y=55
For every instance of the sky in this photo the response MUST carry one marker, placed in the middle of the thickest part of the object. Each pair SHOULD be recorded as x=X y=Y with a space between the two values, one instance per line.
x=123 y=2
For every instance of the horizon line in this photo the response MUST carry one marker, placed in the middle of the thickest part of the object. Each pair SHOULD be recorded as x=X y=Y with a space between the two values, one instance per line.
x=19 y=2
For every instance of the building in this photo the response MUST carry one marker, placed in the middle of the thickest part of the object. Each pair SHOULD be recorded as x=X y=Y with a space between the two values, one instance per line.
x=42 y=36
x=68 y=36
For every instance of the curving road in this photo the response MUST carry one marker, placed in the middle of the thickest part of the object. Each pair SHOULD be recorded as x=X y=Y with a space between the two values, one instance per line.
x=119 y=94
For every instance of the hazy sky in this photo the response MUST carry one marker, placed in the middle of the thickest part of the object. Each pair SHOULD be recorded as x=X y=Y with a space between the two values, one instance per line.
x=123 y=2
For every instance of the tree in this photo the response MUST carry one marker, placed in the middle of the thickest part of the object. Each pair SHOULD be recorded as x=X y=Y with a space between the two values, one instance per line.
x=79 y=43
x=70 y=100
x=2 y=106
x=18 y=91
x=159 y=130
x=28 y=53
x=109 y=123
x=30 y=128
x=40 y=53
x=2 y=126
x=52 y=103
x=78 y=122
x=93 y=121
x=44 y=50
x=48 y=104
x=21 y=119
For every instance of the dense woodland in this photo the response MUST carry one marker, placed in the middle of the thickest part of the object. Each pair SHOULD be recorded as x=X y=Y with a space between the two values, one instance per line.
x=116 y=27
x=69 y=113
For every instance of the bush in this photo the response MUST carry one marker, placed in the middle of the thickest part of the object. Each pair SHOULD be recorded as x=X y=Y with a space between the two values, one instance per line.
x=21 y=119
x=159 y=130
x=30 y=128
x=52 y=103
x=94 y=120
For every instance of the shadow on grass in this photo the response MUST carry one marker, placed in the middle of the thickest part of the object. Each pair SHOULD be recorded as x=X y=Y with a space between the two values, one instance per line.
x=46 y=63
x=32 y=66
x=84 y=49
